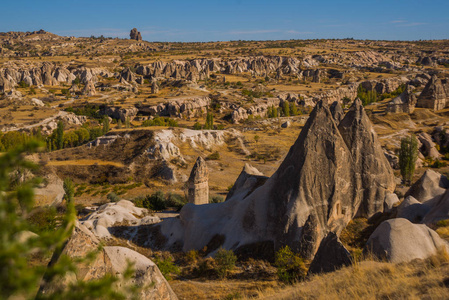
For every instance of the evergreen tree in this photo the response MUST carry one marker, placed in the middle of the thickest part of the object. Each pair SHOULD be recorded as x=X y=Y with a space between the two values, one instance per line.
x=105 y=124
x=127 y=123
x=286 y=109
x=408 y=154
x=59 y=138
x=293 y=109
x=209 y=121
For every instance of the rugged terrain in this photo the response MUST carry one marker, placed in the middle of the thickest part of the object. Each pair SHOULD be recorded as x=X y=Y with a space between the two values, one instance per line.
x=298 y=139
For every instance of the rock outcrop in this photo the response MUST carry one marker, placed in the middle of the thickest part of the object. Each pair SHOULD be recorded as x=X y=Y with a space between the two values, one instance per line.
x=337 y=112
x=51 y=191
x=435 y=94
x=430 y=185
x=110 y=260
x=391 y=199
x=331 y=256
x=399 y=240
x=122 y=212
x=320 y=176
x=428 y=146
x=404 y=103
x=439 y=209
x=135 y=35
x=199 y=183
x=374 y=175
x=413 y=210
x=89 y=89
x=249 y=179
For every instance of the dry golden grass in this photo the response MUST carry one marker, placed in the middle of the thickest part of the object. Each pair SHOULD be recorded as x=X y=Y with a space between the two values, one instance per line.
x=418 y=279
x=221 y=289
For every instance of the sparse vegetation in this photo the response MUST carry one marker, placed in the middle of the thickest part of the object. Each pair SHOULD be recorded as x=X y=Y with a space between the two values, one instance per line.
x=225 y=260
x=290 y=267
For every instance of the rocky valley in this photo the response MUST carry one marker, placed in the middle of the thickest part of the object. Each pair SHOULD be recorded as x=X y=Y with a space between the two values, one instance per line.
x=227 y=170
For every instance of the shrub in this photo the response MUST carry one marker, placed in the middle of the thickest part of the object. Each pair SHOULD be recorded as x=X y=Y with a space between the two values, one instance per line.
x=217 y=199
x=290 y=267
x=44 y=219
x=197 y=126
x=167 y=267
x=192 y=256
x=213 y=156
x=225 y=261
x=113 y=197
x=439 y=164
x=175 y=200
x=155 y=202
x=138 y=201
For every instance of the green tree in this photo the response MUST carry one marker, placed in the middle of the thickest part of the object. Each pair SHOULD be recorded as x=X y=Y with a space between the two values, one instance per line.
x=293 y=109
x=18 y=278
x=70 y=139
x=69 y=190
x=59 y=138
x=209 y=121
x=286 y=109
x=408 y=153
x=119 y=124
x=127 y=123
x=83 y=135
x=105 y=124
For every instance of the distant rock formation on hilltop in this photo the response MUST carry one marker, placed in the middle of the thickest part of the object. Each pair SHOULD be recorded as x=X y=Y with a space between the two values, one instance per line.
x=135 y=35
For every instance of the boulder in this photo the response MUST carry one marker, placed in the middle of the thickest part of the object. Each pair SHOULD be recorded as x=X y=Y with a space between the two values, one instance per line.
x=109 y=260
x=37 y=102
x=331 y=256
x=390 y=200
x=122 y=212
x=399 y=240
x=430 y=185
x=428 y=146
x=412 y=210
x=199 y=183
x=439 y=209
x=285 y=124
x=50 y=191
x=249 y=179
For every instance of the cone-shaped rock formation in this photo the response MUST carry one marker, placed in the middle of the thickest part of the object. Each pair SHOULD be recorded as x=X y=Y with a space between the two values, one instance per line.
x=330 y=174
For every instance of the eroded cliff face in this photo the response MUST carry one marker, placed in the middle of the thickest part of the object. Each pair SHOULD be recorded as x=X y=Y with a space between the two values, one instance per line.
x=331 y=174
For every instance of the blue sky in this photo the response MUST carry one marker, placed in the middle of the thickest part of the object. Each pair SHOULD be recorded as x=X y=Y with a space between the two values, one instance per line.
x=214 y=20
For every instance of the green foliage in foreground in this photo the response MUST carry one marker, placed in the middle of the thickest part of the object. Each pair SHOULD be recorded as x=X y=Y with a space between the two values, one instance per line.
x=225 y=260
x=290 y=267
x=18 y=278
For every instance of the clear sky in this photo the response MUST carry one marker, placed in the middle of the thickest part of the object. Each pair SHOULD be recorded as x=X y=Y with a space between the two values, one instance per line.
x=222 y=20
